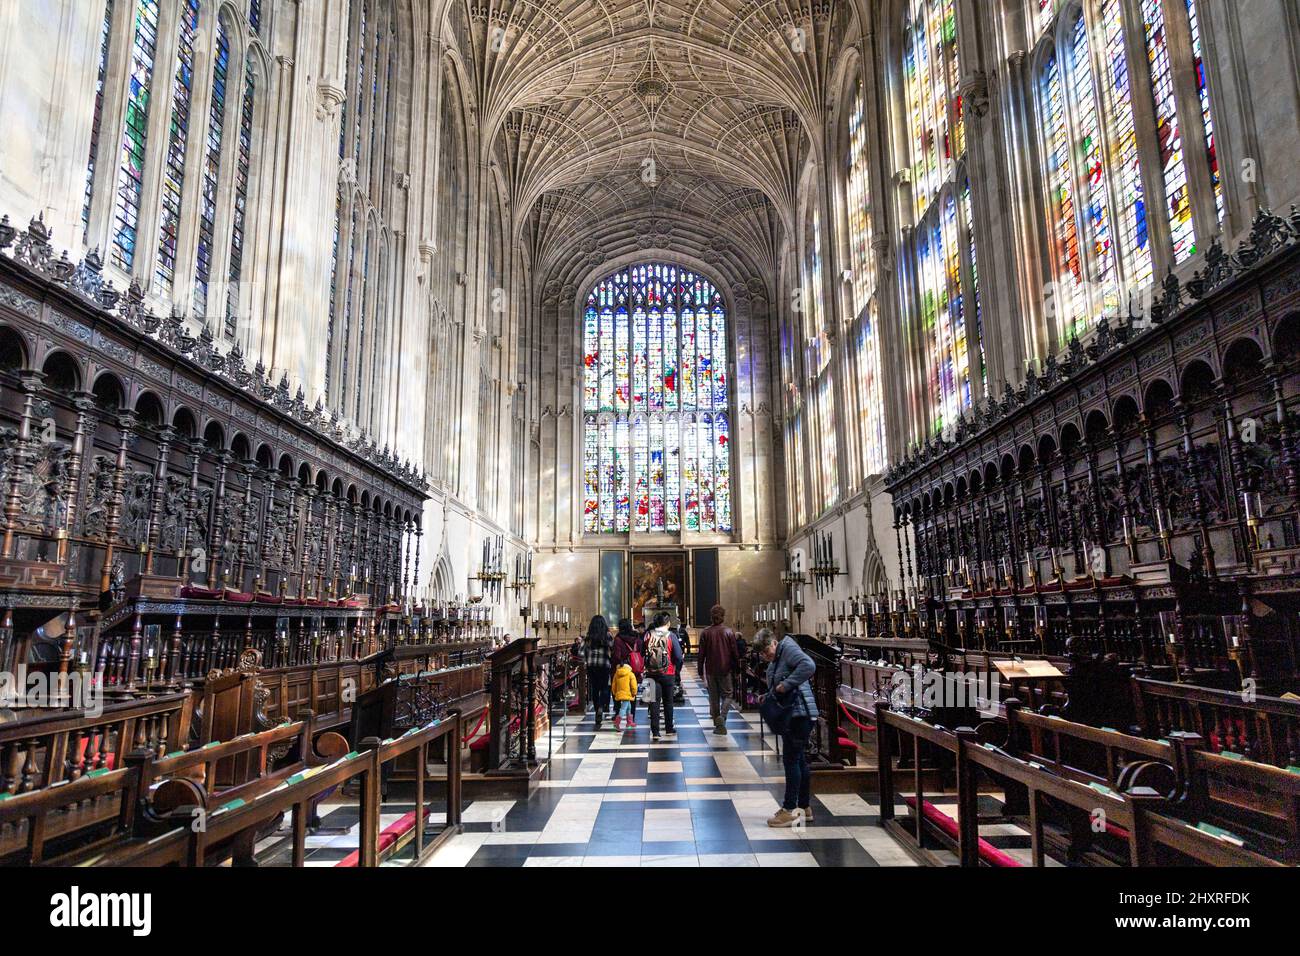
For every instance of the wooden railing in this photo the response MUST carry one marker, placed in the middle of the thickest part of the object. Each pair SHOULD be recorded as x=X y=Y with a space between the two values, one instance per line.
x=1265 y=729
x=45 y=750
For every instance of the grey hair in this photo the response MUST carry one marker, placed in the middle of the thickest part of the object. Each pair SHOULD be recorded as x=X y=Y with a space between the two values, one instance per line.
x=763 y=638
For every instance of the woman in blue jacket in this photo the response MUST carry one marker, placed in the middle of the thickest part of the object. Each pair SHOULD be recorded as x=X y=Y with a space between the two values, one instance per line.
x=790 y=671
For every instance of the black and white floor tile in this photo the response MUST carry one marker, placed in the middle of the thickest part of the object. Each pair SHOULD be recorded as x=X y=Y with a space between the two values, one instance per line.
x=618 y=799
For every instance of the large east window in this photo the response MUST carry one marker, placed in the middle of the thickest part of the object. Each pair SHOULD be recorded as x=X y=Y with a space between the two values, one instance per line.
x=656 y=404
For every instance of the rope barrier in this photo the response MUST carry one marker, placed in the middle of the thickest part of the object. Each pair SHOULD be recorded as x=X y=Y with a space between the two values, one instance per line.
x=866 y=728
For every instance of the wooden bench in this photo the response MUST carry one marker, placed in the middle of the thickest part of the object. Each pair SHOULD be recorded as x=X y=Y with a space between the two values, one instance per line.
x=1143 y=820
x=1240 y=800
x=409 y=828
x=69 y=817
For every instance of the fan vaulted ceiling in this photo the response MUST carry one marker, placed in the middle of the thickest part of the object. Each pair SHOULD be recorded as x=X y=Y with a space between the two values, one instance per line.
x=629 y=123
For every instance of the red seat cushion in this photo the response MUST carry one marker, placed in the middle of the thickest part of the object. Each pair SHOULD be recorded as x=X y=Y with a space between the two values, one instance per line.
x=387 y=837
x=87 y=742
x=987 y=851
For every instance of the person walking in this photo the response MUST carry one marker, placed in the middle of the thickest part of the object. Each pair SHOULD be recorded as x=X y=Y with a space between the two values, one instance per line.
x=684 y=642
x=624 y=688
x=789 y=678
x=663 y=656
x=595 y=653
x=629 y=650
x=716 y=663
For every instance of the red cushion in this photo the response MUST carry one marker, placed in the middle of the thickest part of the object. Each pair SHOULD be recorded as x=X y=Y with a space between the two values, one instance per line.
x=387 y=837
x=479 y=744
x=193 y=591
x=1115 y=830
x=987 y=851
x=109 y=758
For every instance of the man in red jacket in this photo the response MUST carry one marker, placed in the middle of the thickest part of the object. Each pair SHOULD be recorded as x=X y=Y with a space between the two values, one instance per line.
x=717 y=662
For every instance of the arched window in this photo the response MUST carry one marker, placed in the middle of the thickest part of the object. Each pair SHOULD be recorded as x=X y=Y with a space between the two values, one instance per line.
x=358 y=294
x=130 y=183
x=183 y=166
x=943 y=245
x=870 y=398
x=1099 y=207
x=212 y=165
x=243 y=159
x=819 y=372
x=656 y=404
x=105 y=36
x=173 y=187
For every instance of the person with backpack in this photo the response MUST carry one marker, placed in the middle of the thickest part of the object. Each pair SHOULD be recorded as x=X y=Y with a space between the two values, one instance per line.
x=717 y=663
x=628 y=649
x=684 y=641
x=595 y=653
x=663 y=656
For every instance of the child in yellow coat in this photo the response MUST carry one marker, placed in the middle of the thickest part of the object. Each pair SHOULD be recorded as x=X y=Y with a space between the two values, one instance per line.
x=624 y=687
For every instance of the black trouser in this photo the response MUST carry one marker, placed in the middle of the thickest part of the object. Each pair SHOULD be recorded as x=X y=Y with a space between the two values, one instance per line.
x=663 y=699
x=598 y=689
x=798 y=773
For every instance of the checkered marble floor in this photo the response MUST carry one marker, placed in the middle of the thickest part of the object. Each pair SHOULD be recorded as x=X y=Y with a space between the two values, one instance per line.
x=620 y=800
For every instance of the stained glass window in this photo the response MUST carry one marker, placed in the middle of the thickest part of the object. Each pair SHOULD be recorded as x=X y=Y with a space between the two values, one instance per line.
x=1098 y=210
x=656 y=439
x=242 y=170
x=859 y=213
x=870 y=399
x=177 y=138
x=931 y=70
x=211 y=167
x=969 y=216
x=820 y=412
x=1134 y=237
x=1095 y=202
x=1177 y=194
x=131 y=167
x=1045 y=12
x=1068 y=292
x=104 y=37
x=1203 y=95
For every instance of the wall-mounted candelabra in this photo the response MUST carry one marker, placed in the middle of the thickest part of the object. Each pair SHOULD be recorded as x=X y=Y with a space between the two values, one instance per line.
x=793 y=578
x=824 y=568
x=492 y=569
x=522 y=586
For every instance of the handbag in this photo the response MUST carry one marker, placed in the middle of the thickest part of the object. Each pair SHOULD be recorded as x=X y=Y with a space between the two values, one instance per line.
x=777 y=710
x=648 y=692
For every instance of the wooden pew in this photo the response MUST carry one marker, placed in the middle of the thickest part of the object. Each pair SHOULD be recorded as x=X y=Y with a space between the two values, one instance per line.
x=1255 y=803
x=94 y=810
x=149 y=794
x=1090 y=754
x=1143 y=819
x=416 y=743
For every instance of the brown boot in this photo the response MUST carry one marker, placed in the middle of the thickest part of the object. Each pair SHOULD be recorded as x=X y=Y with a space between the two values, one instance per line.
x=807 y=814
